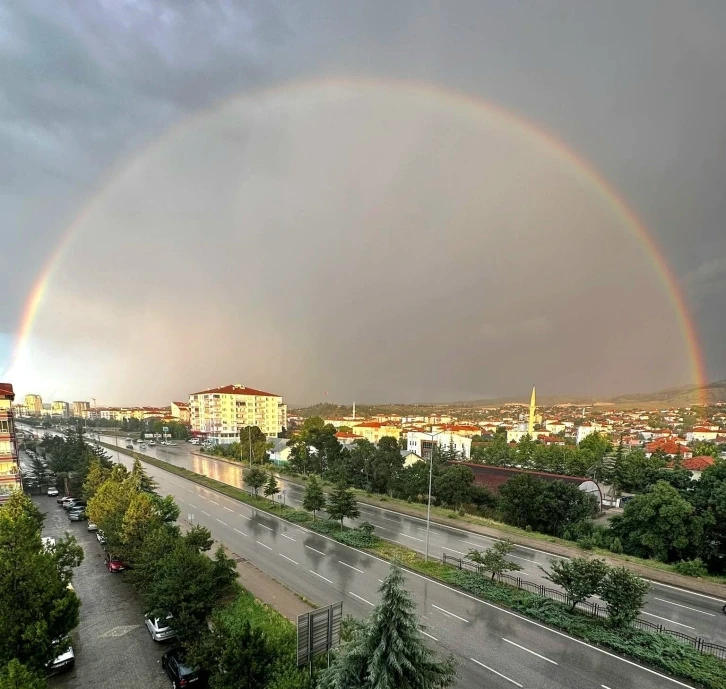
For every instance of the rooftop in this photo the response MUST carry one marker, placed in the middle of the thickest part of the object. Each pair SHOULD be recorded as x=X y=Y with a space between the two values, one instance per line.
x=236 y=389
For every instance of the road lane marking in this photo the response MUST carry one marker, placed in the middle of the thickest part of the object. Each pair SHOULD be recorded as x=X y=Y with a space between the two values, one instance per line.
x=249 y=519
x=320 y=575
x=286 y=536
x=452 y=550
x=263 y=526
x=194 y=506
x=446 y=612
x=686 y=591
x=663 y=600
x=516 y=557
x=240 y=532
x=427 y=634
x=405 y=535
x=214 y=501
x=388 y=519
x=665 y=619
x=207 y=513
x=229 y=509
x=604 y=686
x=361 y=598
x=351 y=566
x=289 y=558
x=221 y=522
x=509 y=679
x=263 y=545
x=529 y=651
x=317 y=551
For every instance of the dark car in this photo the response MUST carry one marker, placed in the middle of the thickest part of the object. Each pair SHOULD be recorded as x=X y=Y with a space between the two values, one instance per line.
x=71 y=504
x=77 y=515
x=181 y=675
x=114 y=563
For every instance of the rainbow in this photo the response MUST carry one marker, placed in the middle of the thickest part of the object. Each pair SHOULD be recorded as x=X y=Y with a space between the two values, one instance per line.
x=471 y=106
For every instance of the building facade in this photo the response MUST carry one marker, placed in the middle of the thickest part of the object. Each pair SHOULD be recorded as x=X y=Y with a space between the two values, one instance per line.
x=9 y=468
x=34 y=405
x=373 y=431
x=180 y=410
x=60 y=409
x=423 y=443
x=220 y=413
x=80 y=409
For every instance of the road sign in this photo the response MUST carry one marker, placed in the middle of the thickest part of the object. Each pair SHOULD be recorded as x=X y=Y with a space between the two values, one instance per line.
x=318 y=631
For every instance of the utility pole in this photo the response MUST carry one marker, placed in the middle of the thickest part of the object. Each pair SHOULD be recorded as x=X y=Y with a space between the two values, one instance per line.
x=249 y=435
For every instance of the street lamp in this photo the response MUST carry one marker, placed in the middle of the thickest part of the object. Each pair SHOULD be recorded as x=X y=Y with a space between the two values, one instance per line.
x=431 y=473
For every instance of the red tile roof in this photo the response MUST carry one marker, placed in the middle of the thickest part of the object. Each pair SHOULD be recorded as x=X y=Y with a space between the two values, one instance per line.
x=697 y=463
x=236 y=390
x=346 y=435
x=6 y=390
x=375 y=424
x=181 y=404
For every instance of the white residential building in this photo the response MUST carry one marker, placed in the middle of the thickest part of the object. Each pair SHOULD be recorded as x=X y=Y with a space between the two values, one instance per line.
x=422 y=443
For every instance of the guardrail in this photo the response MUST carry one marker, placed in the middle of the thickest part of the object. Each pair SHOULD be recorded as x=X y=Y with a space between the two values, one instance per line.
x=592 y=609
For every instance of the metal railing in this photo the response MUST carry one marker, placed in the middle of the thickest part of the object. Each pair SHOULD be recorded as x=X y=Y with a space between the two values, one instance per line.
x=592 y=609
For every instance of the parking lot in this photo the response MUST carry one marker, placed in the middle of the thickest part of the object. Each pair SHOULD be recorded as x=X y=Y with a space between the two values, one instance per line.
x=111 y=642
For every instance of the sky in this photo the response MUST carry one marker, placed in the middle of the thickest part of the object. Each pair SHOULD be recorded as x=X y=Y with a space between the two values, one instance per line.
x=373 y=201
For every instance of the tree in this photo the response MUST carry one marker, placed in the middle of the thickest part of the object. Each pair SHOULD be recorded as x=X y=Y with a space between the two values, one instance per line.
x=597 y=444
x=314 y=498
x=387 y=651
x=108 y=506
x=361 y=456
x=342 y=504
x=453 y=487
x=709 y=498
x=386 y=466
x=498 y=453
x=271 y=487
x=494 y=559
x=414 y=481
x=37 y=609
x=15 y=675
x=96 y=477
x=634 y=472
x=141 y=479
x=660 y=524
x=255 y=478
x=301 y=456
x=39 y=469
x=580 y=577
x=624 y=594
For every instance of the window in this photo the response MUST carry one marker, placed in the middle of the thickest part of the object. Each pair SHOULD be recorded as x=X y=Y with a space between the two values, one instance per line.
x=4 y=426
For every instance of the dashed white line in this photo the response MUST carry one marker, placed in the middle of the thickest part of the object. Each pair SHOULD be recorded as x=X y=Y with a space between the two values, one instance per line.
x=263 y=545
x=244 y=516
x=509 y=679
x=665 y=619
x=345 y=564
x=314 y=550
x=361 y=598
x=269 y=528
x=529 y=651
x=604 y=686
x=207 y=513
x=427 y=634
x=452 y=550
x=703 y=612
x=446 y=612
x=405 y=535
x=229 y=509
x=289 y=558
x=221 y=522
x=516 y=557
x=320 y=575
x=388 y=519
x=214 y=501
x=242 y=533
x=284 y=535
x=194 y=506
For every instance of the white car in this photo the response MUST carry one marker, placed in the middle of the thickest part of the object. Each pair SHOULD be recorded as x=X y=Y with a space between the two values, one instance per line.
x=64 y=661
x=159 y=629
x=193 y=441
x=52 y=492
x=92 y=526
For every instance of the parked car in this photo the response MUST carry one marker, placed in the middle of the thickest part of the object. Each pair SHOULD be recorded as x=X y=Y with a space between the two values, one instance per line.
x=91 y=526
x=181 y=675
x=52 y=492
x=100 y=537
x=143 y=446
x=78 y=515
x=193 y=441
x=62 y=500
x=62 y=662
x=113 y=563
x=151 y=442
x=160 y=630
x=129 y=446
x=72 y=504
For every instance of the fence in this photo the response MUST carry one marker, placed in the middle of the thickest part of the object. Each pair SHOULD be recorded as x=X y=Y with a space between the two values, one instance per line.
x=592 y=609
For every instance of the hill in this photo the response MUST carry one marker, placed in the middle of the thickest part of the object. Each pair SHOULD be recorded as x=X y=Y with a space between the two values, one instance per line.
x=684 y=396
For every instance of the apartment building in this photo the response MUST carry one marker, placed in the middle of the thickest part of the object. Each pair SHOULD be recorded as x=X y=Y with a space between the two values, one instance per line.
x=80 y=409
x=423 y=443
x=220 y=413
x=9 y=467
x=60 y=409
x=34 y=404
x=375 y=430
x=180 y=411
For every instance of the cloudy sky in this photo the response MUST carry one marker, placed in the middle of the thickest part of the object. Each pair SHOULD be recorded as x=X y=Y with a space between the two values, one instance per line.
x=371 y=201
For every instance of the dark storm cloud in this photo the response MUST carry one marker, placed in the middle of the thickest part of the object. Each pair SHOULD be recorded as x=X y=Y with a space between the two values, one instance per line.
x=635 y=87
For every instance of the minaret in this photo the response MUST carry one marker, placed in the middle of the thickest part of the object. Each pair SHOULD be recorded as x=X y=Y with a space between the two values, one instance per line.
x=353 y=411
x=530 y=427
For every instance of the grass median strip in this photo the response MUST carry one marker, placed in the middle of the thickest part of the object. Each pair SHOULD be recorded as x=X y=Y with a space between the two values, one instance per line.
x=660 y=651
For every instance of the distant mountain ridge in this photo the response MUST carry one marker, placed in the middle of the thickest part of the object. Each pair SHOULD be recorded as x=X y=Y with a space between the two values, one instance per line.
x=682 y=396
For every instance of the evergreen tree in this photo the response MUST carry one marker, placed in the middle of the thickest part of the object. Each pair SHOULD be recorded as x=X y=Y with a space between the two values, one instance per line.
x=16 y=676
x=271 y=487
x=341 y=504
x=387 y=650
x=95 y=478
x=141 y=479
x=314 y=498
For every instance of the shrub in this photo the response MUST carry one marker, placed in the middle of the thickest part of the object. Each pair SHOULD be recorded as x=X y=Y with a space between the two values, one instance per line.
x=587 y=543
x=616 y=546
x=691 y=568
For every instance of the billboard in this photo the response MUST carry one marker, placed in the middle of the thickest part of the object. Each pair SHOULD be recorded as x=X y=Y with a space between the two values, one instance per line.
x=318 y=631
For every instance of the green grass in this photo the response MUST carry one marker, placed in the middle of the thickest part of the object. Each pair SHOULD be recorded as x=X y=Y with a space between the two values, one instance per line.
x=657 y=650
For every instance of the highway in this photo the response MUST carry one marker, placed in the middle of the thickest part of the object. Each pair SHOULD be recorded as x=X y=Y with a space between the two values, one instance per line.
x=677 y=609
x=493 y=647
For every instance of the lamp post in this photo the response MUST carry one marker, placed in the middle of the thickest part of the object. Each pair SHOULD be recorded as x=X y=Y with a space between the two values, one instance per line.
x=431 y=473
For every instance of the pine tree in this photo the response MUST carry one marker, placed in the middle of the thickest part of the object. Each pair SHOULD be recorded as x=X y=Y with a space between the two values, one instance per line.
x=271 y=487
x=144 y=482
x=387 y=651
x=314 y=498
x=341 y=504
